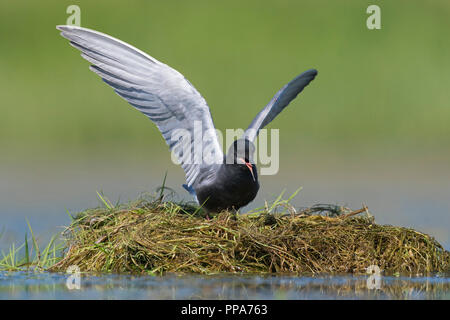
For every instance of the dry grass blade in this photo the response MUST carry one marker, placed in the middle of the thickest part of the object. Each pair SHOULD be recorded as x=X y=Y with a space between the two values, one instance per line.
x=158 y=237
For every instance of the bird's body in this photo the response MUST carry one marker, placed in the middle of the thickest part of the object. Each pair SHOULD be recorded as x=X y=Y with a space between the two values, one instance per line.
x=218 y=182
x=226 y=187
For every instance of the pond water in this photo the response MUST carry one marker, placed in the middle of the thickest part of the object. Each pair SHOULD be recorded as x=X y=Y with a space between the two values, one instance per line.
x=26 y=285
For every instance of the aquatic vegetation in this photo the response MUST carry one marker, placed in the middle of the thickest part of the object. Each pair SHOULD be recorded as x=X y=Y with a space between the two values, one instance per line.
x=155 y=236
x=29 y=256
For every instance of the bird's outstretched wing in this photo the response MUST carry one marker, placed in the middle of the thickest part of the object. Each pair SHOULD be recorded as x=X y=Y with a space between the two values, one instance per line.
x=281 y=99
x=155 y=89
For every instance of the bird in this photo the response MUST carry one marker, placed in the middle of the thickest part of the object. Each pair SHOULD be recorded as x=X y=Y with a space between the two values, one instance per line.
x=218 y=182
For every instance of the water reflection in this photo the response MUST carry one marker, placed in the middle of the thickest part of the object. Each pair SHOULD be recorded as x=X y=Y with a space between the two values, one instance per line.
x=23 y=285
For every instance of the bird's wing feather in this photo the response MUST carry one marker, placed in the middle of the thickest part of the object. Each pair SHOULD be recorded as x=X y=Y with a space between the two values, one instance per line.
x=155 y=89
x=281 y=99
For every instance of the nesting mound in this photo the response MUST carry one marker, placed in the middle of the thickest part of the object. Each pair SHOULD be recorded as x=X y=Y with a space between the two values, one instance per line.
x=158 y=237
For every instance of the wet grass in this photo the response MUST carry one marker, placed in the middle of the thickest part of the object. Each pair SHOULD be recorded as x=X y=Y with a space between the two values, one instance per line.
x=155 y=236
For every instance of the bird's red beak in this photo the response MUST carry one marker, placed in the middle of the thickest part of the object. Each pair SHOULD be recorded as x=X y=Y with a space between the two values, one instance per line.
x=249 y=166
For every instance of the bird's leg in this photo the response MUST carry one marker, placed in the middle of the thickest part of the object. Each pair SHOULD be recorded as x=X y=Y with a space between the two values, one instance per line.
x=234 y=213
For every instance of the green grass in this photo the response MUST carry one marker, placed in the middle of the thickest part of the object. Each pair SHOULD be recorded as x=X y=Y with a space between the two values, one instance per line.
x=28 y=256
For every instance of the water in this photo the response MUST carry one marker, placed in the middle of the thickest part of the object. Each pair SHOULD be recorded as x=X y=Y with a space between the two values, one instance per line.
x=395 y=194
x=23 y=285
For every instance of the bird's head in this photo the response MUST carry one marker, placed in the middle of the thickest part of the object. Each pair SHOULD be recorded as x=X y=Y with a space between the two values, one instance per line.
x=241 y=153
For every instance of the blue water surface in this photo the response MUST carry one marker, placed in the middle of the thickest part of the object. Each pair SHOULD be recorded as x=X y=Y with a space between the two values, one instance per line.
x=45 y=285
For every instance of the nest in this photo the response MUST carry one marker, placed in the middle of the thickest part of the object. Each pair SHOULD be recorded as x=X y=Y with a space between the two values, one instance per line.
x=157 y=237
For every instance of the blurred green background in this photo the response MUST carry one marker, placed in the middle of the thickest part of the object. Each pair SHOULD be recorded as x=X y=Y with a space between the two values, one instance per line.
x=373 y=127
x=377 y=90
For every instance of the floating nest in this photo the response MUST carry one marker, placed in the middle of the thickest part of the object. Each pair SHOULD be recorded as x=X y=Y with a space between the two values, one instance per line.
x=157 y=237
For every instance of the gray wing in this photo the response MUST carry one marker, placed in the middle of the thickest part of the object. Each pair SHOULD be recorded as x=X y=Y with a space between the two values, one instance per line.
x=155 y=89
x=281 y=99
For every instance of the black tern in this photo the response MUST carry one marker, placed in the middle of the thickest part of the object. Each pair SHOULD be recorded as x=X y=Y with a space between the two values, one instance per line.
x=223 y=182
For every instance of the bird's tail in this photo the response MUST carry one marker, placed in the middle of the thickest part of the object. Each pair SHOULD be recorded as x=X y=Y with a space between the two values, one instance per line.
x=191 y=191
